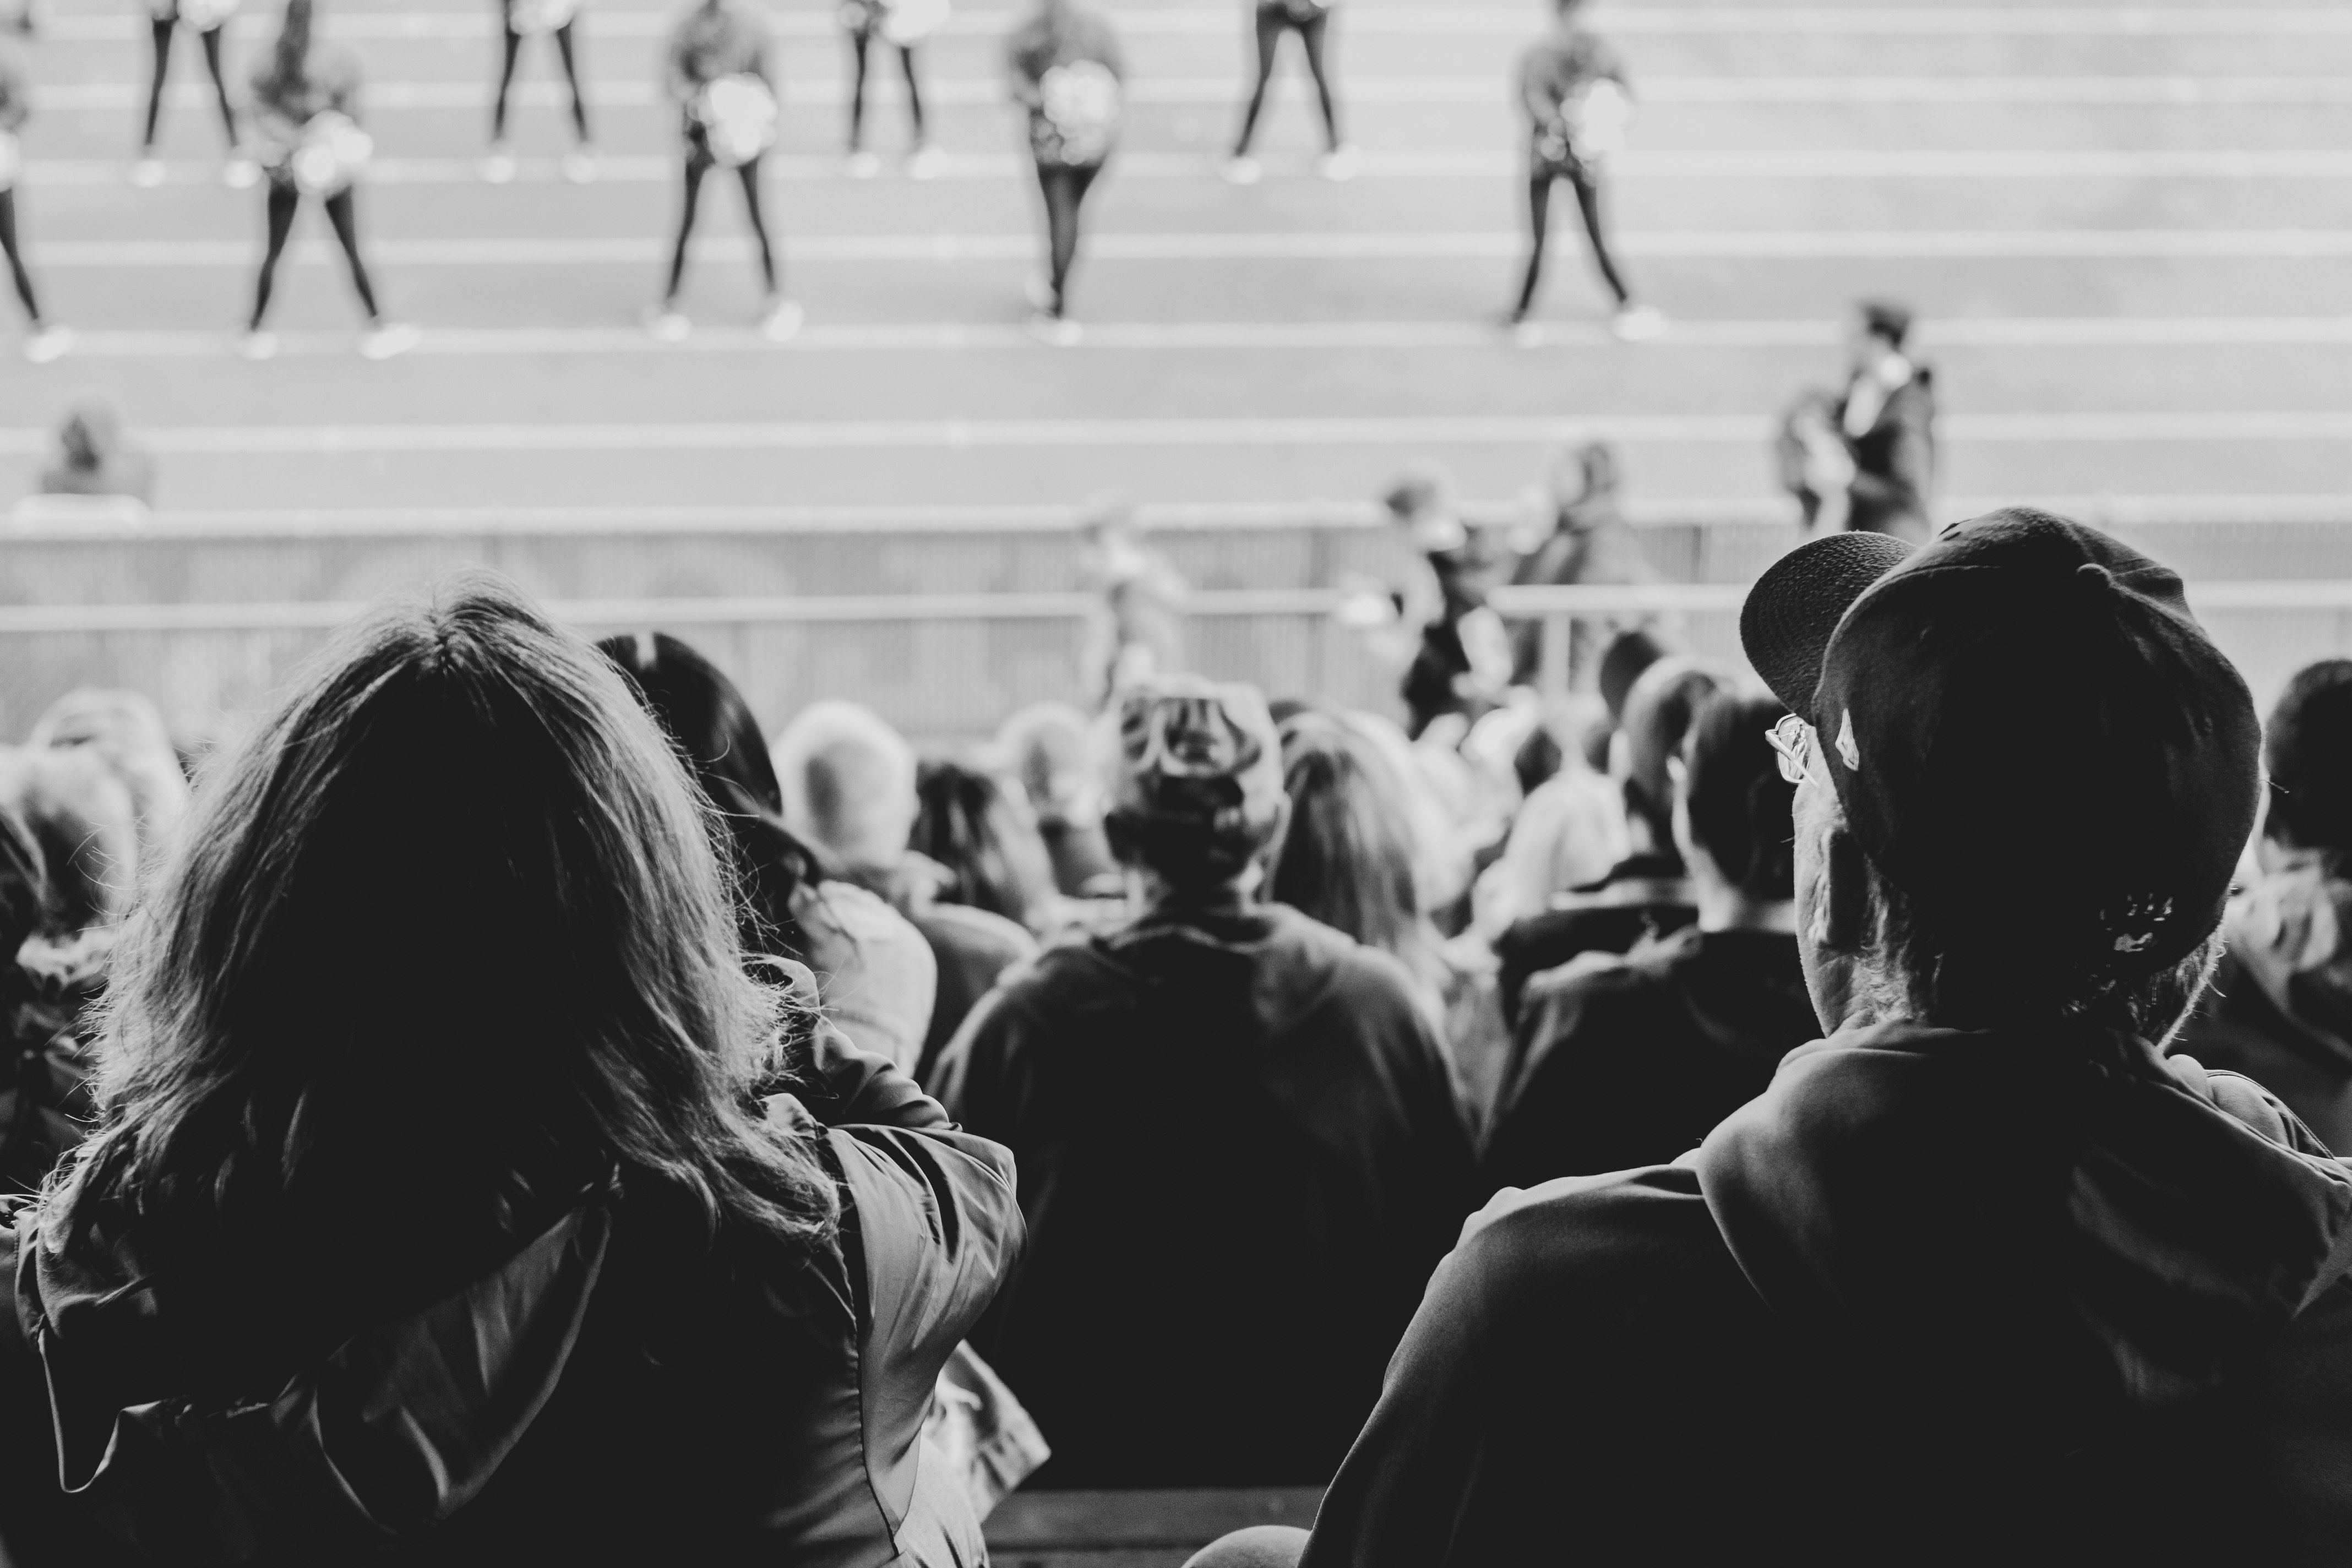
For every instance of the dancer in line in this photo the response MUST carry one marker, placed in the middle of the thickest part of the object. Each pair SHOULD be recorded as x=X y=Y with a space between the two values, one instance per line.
x=205 y=18
x=1311 y=19
x=1067 y=72
x=45 y=340
x=519 y=19
x=306 y=102
x=903 y=25
x=720 y=80
x=1573 y=88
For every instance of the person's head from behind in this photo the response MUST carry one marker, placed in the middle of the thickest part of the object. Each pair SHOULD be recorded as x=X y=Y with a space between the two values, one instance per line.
x=849 y=783
x=447 y=940
x=973 y=823
x=126 y=732
x=84 y=822
x=1658 y=713
x=1195 y=776
x=90 y=432
x=1347 y=857
x=1878 y=329
x=1568 y=12
x=1049 y=747
x=2024 y=775
x=2309 y=747
x=1733 y=811
x=718 y=739
x=1580 y=473
x=1424 y=502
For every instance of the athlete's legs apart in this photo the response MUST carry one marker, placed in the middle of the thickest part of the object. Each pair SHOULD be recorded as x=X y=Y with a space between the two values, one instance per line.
x=914 y=88
x=211 y=39
x=513 y=51
x=1538 y=223
x=859 y=42
x=698 y=163
x=1311 y=34
x=164 y=31
x=1270 y=26
x=17 y=261
x=343 y=215
x=750 y=174
x=1587 y=202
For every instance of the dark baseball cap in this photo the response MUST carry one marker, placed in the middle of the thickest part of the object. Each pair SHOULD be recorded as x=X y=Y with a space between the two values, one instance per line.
x=2031 y=735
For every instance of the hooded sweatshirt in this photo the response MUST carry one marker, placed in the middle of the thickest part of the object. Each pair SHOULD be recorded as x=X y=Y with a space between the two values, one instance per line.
x=2279 y=1008
x=1933 y=1298
x=1240 y=1159
x=1631 y=1061
x=608 y=1388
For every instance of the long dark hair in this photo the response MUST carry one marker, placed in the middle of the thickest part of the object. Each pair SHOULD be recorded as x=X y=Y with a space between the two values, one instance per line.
x=444 y=937
x=720 y=743
x=1348 y=856
x=968 y=822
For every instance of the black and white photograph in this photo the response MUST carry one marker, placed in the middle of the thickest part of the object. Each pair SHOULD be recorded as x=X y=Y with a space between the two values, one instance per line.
x=1176 y=784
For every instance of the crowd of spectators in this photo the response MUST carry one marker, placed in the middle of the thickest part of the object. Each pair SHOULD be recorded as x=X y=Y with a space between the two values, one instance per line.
x=512 y=1108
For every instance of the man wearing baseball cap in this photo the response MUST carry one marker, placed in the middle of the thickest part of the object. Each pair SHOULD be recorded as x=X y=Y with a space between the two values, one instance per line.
x=1240 y=1156
x=1982 y=1276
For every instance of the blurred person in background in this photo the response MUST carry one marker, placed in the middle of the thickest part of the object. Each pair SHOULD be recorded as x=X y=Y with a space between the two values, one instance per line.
x=94 y=458
x=976 y=880
x=902 y=24
x=558 y=20
x=1347 y=860
x=306 y=104
x=69 y=864
x=1066 y=69
x=455 y=1218
x=1648 y=892
x=1311 y=20
x=1459 y=654
x=1585 y=542
x=1865 y=459
x=125 y=731
x=723 y=83
x=975 y=825
x=2280 y=1009
x=45 y=340
x=1572 y=86
x=1628 y=1061
x=1239 y=1149
x=1568 y=832
x=874 y=975
x=207 y=19
x=1050 y=748
x=1137 y=628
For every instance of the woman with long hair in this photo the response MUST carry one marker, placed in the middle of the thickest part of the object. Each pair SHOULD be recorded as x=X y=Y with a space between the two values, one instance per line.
x=46 y=339
x=306 y=100
x=207 y=19
x=519 y=19
x=1066 y=70
x=978 y=827
x=721 y=81
x=1311 y=20
x=903 y=25
x=875 y=972
x=431 y=1208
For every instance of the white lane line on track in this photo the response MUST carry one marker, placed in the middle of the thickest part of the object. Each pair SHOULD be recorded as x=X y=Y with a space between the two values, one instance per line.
x=1776 y=165
x=1385 y=21
x=960 y=434
x=2260 y=244
x=632 y=92
x=946 y=337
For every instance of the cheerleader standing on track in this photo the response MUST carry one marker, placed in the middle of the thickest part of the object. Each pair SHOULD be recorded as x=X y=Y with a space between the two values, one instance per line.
x=207 y=17
x=1067 y=71
x=306 y=100
x=519 y=19
x=719 y=78
x=1311 y=19
x=1573 y=89
x=902 y=24
x=46 y=340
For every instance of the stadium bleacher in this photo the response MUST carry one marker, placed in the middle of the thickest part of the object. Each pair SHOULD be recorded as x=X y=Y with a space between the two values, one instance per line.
x=2126 y=229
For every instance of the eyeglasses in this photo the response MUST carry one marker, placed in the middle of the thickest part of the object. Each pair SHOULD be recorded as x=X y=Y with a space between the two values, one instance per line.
x=1791 y=738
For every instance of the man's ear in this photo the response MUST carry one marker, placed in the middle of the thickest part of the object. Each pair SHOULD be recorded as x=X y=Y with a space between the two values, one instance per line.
x=1842 y=910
